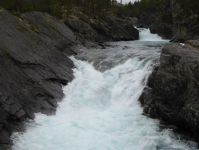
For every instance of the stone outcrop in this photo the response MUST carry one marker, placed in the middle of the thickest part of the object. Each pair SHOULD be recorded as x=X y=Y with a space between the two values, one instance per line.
x=173 y=90
x=32 y=70
x=34 y=64
x=109 y=28
x=166 y=22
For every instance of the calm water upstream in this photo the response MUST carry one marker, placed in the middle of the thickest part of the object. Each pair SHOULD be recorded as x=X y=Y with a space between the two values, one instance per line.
x=100 y=110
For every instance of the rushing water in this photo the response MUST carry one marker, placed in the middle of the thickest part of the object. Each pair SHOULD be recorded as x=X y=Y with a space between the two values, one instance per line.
x=100 y=110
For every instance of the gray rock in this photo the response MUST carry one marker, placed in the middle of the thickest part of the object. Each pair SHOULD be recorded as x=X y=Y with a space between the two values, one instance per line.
x=83 y=30
x=175 y=88
x=166 y=59
x=51 y=30
x=146 y=109
x=109 y=28
x=32 y=69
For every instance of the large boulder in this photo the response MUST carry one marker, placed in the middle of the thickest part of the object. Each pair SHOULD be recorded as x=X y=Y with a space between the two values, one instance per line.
x=83 y=30
x=175 y=88
x=116 y=28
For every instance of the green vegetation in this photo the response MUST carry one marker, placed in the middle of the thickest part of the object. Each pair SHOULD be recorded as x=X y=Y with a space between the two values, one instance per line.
x=134 y=9
x=89 y=7
x=189 y=8
x=98 y=8
x=58 y=7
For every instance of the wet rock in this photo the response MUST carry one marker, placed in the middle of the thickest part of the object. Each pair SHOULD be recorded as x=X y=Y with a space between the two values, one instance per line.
x=32 y=68
x=152 y=113
x=175 y=89
x=147 y=101
x=146 y=109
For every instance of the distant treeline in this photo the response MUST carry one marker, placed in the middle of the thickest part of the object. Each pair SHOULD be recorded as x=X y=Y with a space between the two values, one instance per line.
x=188 y=8
x=134 y=9
x=89 y=7
x=94 y=7
x=56 y=7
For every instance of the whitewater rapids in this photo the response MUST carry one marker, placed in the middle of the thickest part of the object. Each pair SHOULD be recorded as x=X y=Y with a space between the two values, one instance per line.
x=100 y=110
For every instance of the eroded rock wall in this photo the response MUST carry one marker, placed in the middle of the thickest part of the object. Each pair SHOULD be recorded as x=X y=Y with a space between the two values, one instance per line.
x=32 y=70
x=107 y=28
x=173 y=88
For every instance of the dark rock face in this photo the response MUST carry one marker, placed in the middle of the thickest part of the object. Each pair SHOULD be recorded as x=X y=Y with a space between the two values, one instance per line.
x=32 y=69
x=83 y=30
x=162 y=29
x=116 y=29
x=186 y=30
x=147 y=18
x=51 y=30
x=168 y=24
x=173 y=87
x=108 y=28
x=155 y=22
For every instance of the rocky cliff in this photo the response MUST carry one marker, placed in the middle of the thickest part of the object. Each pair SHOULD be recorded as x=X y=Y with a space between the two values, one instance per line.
x=159 y=21
x=168 y=22
x=106 y=28
x=173 y=90
x=34 y=63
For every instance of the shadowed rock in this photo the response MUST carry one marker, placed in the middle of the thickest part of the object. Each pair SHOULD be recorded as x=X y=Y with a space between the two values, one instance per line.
x=32 y=69
x=175 y=88
x=107 y=28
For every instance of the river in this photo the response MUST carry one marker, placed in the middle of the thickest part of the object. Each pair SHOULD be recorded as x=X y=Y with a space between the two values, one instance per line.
x=100 y=110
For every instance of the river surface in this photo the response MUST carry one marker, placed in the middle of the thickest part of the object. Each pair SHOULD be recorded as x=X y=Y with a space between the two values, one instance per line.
x=100 y=110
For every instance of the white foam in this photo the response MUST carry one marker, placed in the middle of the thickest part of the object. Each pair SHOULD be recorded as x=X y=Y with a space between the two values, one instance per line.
x=145 y=35
x=100 y=111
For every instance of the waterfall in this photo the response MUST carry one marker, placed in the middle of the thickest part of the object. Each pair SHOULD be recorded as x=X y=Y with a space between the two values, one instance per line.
x=100 y=110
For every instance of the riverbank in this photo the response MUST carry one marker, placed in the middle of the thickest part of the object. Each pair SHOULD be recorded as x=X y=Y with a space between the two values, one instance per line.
x=34 y=62
x=172 y=91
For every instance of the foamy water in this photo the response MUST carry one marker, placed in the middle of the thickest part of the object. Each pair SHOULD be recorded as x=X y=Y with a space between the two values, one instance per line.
x=100 y=110
x=145 y=35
